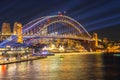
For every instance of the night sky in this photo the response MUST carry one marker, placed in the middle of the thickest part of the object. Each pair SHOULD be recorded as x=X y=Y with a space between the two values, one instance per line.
x=101 y=16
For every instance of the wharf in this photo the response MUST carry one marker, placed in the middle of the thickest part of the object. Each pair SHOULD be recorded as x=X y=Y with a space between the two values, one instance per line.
x=23 y=60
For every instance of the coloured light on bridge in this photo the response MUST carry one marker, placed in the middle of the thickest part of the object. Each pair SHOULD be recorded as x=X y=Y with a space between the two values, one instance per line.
x=62 y=27
x=65 y=12
x=60 y=13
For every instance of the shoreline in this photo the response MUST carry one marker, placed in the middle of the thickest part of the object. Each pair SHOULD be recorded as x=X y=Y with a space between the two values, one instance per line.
x=79 y=53
x=45 y=56
x=24 y=60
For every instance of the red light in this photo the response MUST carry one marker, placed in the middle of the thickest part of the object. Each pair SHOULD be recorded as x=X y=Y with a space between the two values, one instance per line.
x=3 y=68
x=60 y=13
x=48 y=20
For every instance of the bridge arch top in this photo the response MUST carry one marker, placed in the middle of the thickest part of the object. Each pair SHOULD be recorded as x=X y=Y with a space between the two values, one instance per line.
x=45 y=21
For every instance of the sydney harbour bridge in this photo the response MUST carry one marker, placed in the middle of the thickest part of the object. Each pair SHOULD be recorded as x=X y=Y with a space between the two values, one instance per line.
x=58 y=29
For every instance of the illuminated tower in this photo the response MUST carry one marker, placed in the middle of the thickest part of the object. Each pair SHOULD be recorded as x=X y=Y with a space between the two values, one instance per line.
x=6 y=30
x=14 y=28
x=95 y=37
x=18 y=31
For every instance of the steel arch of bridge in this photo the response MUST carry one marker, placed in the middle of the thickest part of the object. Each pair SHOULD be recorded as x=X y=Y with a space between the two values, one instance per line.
x=39 y=24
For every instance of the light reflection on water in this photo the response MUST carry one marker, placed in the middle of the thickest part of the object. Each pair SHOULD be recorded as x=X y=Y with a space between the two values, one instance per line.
x=71 y=67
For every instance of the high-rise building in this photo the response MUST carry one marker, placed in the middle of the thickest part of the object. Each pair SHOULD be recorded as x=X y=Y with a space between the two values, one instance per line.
x=6 y=30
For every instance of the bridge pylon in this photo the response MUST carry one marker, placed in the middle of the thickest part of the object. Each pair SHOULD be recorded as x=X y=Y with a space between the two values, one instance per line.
x=19 y=33
x=95 y=38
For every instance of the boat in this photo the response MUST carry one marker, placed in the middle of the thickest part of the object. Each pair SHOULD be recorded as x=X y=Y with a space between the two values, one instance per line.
x=61 y=56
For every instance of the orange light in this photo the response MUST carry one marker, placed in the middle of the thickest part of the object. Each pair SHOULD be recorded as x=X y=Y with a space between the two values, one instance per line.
x=3 y=68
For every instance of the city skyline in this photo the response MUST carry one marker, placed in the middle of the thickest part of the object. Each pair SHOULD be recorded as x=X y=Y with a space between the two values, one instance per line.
x=96 y=16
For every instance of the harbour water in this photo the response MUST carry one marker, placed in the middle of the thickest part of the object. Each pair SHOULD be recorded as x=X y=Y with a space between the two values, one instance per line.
x=70 y=67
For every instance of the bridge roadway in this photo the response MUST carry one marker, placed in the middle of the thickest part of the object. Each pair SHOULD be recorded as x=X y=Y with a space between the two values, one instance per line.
x=57 y=36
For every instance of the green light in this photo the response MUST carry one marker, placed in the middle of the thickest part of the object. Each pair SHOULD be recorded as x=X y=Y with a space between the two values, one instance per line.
x=116 y=54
